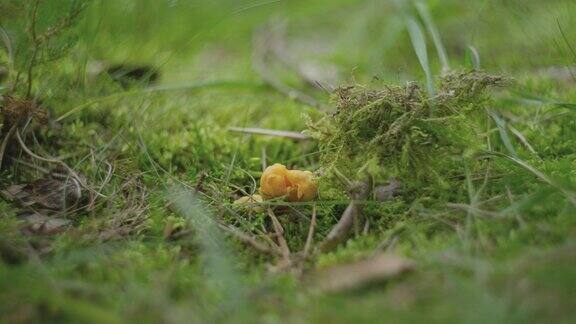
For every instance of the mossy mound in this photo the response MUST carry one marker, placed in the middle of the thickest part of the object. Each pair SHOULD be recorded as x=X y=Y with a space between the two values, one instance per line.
x=403 y=130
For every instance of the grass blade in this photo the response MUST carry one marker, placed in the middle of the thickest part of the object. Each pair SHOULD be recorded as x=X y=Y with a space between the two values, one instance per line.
x=424 y=13
x=419 y=43
x=565 y=38
x=503 y=130
x=523 y=140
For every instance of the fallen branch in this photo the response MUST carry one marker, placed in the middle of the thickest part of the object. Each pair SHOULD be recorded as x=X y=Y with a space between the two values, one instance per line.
x=270 y=132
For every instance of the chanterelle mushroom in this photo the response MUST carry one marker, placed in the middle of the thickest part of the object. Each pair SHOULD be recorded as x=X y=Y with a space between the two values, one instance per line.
x=295 y=185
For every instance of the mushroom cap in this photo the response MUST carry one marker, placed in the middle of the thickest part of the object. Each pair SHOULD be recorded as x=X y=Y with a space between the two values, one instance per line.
x=273 y=182
x=295 y=185
x=303 y=185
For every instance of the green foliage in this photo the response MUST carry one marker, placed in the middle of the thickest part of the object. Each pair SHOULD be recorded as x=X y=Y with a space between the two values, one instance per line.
x=38 y=33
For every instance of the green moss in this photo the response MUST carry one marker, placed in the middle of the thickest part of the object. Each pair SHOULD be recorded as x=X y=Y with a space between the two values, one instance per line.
x=403 y=131
x=492 y=242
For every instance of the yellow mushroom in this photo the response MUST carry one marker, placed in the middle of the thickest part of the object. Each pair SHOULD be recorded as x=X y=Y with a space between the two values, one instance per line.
x=295 y=185
x=273 y=182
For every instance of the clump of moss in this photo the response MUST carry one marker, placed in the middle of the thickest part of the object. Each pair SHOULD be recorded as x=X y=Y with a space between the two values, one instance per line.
x=404 y=130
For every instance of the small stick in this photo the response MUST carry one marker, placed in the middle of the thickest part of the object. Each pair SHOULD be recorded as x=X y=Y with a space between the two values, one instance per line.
x=270 y=132
x=271 y=242
x=280 y=235
x=356 y=222
x=340 y=231
x=310 y=237
x=245 y=238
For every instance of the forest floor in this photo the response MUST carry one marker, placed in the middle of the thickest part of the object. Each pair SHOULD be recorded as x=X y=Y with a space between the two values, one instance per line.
x=455 y=117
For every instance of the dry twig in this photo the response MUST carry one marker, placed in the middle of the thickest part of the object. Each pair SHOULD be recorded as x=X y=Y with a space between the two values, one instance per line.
x=270 y=132
x=352 y=215
x=279 y=230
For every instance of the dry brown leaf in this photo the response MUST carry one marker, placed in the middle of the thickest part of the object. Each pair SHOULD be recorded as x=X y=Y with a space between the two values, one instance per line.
x=52 y=194
x=362 y=273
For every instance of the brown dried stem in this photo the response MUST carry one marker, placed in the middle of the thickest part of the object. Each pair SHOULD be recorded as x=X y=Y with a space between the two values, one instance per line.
x=279 y=230
x=352 y=215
